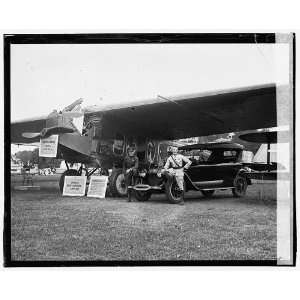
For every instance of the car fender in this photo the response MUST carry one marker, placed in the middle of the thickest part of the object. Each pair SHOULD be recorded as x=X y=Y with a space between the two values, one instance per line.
x=189 y=185
x=167 y=176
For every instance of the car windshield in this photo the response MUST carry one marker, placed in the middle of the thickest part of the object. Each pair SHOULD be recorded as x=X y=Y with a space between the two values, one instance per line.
x=211 y=156
x=220 y=156
x=197 y=155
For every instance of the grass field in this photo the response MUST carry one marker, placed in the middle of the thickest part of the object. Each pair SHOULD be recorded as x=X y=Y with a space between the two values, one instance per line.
x=47 y=226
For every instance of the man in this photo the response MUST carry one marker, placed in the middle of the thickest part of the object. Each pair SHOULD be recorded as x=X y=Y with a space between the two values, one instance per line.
x=130 y=167
x=175 y=165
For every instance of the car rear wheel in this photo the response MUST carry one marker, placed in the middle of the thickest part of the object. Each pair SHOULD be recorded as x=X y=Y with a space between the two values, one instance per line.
x=117 y=186
x=70 y=172
x=208 y=193
x=174 y=194
x=240 y=186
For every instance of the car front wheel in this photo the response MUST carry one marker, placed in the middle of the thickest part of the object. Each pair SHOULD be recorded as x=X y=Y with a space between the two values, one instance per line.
x=240 y=186
x=174 y=194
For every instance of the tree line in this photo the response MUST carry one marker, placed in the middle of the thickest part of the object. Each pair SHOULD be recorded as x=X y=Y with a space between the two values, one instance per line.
x=31 y=158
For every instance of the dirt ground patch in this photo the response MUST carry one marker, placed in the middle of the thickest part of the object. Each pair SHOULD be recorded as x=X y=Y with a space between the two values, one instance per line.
x=47 y=226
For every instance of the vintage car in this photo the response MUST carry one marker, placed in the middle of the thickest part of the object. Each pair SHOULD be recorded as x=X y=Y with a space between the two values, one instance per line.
x=215 y=166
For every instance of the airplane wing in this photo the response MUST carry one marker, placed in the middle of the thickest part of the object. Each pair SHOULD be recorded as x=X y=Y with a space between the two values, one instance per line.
x=192 y=115
x=31 y=130
x=170 y=118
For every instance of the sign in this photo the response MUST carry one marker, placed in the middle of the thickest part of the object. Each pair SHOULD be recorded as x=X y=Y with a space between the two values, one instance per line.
x=74 y=186
x=97 y=186
x=48 y=146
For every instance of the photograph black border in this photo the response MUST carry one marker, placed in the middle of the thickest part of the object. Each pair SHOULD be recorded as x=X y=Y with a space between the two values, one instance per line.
x=125 y=38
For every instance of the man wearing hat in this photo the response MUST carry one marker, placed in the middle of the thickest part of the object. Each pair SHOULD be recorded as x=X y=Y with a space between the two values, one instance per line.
x=130 y=167
x=175 y=165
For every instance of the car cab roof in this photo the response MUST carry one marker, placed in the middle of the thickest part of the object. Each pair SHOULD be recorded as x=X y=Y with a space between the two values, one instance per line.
x=211 y=146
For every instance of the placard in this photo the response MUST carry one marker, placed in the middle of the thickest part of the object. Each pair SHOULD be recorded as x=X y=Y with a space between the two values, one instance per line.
x=74 y=186
x=97 y=186
x=48 y=146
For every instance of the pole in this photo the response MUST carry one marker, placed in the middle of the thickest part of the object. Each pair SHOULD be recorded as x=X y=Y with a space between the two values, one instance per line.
x=268 y=156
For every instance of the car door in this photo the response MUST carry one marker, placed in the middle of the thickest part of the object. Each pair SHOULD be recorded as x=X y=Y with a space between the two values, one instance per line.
x=226 y=170
x=204 y=174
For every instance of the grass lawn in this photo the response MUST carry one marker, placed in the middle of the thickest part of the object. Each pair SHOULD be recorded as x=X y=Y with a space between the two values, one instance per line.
x=47 y=226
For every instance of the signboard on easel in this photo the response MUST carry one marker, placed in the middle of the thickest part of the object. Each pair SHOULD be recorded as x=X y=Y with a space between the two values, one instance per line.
x=97 y=186
x=74 y=186
x=48 y=146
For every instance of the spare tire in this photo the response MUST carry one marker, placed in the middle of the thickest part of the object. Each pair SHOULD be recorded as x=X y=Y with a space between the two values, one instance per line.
x=70 y=172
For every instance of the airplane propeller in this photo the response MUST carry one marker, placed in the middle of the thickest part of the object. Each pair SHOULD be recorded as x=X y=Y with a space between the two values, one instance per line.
x=30 y=135
x=71 y=111
x=46 y=132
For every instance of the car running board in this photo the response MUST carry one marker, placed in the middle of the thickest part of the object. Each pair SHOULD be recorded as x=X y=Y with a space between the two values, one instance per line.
x=217 y=188
x=210 y=182
x=198 y=184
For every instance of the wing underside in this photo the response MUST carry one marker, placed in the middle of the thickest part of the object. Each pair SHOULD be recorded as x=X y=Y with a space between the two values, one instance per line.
x=180 y=117
x=195 y=115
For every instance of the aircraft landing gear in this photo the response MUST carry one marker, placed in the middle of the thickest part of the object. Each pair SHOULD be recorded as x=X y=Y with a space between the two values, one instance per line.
x=70 y=172
x=74 y=172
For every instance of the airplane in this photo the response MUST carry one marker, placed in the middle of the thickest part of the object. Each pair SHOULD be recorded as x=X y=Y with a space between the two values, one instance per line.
x=150 y=125
x=268 y=169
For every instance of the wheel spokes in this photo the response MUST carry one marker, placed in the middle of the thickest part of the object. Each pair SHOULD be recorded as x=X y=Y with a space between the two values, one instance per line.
x=240 y=186
x=120 y=183
x=175 y=190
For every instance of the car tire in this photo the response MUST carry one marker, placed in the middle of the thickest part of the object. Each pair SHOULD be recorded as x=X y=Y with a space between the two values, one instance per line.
x=240 y=186
x=70 y=172
x=172 y=191
x=142 y=196
x=117 y=186
x=208 y=193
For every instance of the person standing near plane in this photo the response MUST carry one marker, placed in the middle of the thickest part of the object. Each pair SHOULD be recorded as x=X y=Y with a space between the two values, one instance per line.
x=175 y=165
x=130 y=168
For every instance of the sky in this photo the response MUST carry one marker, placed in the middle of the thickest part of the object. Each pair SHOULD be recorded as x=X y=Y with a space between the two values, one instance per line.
x=48 y=76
